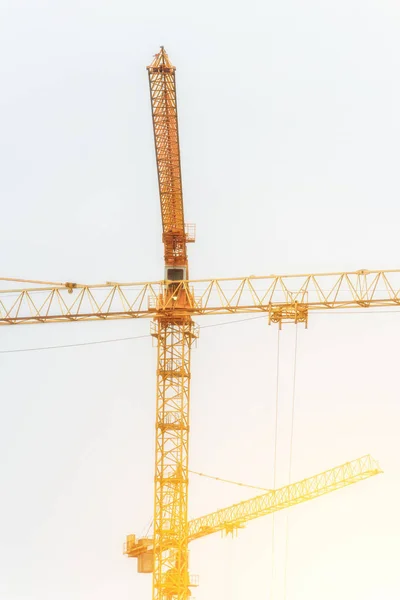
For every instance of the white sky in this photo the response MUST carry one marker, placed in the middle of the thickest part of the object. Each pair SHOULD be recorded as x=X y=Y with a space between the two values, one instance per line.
x=289 y=127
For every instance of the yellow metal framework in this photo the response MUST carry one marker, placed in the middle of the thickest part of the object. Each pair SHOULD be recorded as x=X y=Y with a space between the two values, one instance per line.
x=236 y=516
x=172 y=303
x=281 y=297
x=175 y=334
x=171 y=575
x=166 y=138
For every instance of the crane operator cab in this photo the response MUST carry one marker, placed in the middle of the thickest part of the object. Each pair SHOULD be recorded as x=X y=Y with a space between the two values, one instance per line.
x=174 y=289
x=175 y=273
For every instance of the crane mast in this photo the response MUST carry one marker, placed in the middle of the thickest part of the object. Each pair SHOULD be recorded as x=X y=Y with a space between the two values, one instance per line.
x=175 y=335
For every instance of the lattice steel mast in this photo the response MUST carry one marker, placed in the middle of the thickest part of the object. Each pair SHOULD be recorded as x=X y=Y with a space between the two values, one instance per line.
x=175 y=334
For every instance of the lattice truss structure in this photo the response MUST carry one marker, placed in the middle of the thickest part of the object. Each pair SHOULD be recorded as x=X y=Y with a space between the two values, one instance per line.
x=236 y=516
x=170 y=568
x=166 y=138
x=281 y=297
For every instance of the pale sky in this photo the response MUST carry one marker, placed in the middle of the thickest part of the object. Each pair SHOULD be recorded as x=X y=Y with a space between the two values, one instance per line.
x=289 y=127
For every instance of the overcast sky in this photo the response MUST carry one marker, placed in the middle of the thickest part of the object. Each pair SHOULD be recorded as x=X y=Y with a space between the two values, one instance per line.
x=289 y=127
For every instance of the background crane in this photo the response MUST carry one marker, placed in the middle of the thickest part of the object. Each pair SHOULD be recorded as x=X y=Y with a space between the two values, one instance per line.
x=236 y=516
x=172 y=307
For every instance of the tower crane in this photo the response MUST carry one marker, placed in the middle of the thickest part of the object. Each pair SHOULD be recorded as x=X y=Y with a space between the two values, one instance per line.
x=172 y=303
x=236 y=516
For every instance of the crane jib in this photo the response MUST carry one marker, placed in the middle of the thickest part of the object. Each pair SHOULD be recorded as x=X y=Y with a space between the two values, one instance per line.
x=166 y=139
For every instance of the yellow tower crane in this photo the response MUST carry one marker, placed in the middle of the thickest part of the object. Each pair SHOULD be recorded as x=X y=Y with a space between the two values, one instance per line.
x=172 y=303
x=236 y=516
x=175 y=333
